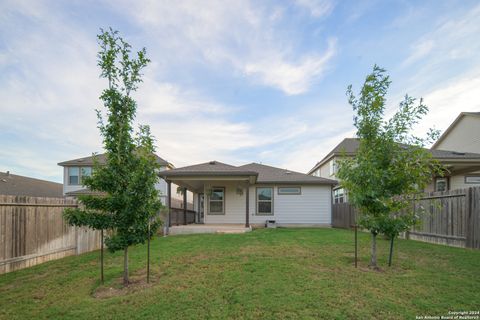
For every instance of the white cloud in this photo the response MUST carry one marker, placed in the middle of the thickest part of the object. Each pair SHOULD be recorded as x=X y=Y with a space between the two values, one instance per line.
x=420 y=50
x=239 y=34
x=446 y=101
x=317 y=8
x=292 y=78
x=453 y=38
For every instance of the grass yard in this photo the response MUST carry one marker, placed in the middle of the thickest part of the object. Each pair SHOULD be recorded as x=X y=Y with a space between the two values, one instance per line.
x=265 y=274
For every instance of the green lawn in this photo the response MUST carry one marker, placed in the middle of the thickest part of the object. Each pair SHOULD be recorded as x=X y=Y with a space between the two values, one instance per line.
x=265 y=274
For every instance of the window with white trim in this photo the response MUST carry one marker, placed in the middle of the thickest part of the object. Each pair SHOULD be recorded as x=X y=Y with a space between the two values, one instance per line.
x=441 y=184
x=216 y=201
x=339 y=195
x=472 y=179
x=85 y=172
x=264 y=201
x=73 y=176
x=289 y=190
x=333 y=167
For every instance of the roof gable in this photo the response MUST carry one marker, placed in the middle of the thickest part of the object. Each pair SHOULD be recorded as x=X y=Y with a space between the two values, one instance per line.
x=453 y=125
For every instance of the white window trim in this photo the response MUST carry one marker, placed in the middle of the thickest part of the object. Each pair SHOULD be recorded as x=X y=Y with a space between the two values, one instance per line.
x=222 y=201
x=289 y=193
x=257 y=201
x=80 y=175
x=472 y=176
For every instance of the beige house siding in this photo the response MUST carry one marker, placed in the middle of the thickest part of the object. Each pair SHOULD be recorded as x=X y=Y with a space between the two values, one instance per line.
x=464 y=137
x=234 y=204
x=311 y=207
x=456 y=182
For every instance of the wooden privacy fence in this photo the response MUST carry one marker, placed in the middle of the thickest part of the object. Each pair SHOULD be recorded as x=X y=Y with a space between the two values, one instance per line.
x=343 y=215
x=450 y=217
x=32 y=231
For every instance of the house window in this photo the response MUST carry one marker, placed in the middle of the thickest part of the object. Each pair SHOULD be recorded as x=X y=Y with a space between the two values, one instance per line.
x=441 y=184
x=264 y=201
x=85 y=172
x=333 y=167
x=73 y=175
x=289 y=190
x=216 y=201
x=339 y=195
x=76 y=174
x=472 y=179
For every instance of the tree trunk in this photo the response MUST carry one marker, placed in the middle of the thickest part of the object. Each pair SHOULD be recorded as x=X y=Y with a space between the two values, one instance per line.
x=125 y=267
x=373 y=260
x=390 y=256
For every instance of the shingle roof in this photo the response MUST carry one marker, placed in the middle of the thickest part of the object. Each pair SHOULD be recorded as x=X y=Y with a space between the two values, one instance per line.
x=12 y=184
x=101 y=159
x=349 y=146
x=269 y=174
x=208 y=168
x=263 y=173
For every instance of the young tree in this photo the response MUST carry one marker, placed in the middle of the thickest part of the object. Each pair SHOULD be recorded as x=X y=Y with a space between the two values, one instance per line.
x=129 y=201
x=391 y=166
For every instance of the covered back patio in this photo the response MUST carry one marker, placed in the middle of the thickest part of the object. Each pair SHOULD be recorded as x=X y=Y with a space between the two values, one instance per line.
x=220 y=195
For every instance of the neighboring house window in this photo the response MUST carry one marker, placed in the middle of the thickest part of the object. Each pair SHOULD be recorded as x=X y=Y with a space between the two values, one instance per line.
x=85 y=172
x=472 y=179
x=73 y=175
x=441 y=184
x=216 y=202
x=339 y=195
x=264 y=201
x=318 y=173
x=289 y=190
x=333 y=167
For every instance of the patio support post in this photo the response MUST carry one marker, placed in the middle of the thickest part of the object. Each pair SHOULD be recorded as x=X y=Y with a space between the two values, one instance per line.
x=184 y=206
x=169 y=200
x=247 y=203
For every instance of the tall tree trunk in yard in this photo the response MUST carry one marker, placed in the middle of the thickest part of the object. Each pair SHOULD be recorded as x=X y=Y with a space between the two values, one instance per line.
x=373 y=260
x=390 y=256
x=125 y=267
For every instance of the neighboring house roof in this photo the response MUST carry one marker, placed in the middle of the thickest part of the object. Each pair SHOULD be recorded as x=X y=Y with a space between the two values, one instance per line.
x=88 y=161
x=14 y=185
x=454 y=123
x=263 y=173
x=349 y=147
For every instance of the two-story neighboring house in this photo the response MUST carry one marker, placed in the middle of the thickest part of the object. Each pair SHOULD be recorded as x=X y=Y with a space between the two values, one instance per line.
x=462 y=135
x=463 y=167
x=75 y=170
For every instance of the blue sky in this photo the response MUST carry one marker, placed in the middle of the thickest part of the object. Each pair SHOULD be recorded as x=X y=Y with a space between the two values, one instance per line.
x=236 y=81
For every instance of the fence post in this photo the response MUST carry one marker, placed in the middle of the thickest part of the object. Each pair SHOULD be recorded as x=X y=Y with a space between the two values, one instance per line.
x=469 y=223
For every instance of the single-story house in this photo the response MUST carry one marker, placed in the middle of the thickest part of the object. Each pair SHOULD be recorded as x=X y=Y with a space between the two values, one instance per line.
x=253 y=194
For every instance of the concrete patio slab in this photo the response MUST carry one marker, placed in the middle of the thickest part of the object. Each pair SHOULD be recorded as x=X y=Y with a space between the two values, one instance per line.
x=208 y=228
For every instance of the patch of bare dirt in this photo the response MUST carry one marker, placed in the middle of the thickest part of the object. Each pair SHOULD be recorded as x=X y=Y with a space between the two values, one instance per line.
x=138 y=282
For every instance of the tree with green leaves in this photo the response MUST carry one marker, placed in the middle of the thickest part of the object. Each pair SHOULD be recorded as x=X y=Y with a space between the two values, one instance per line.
x=391 y=166
x=125 y=200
